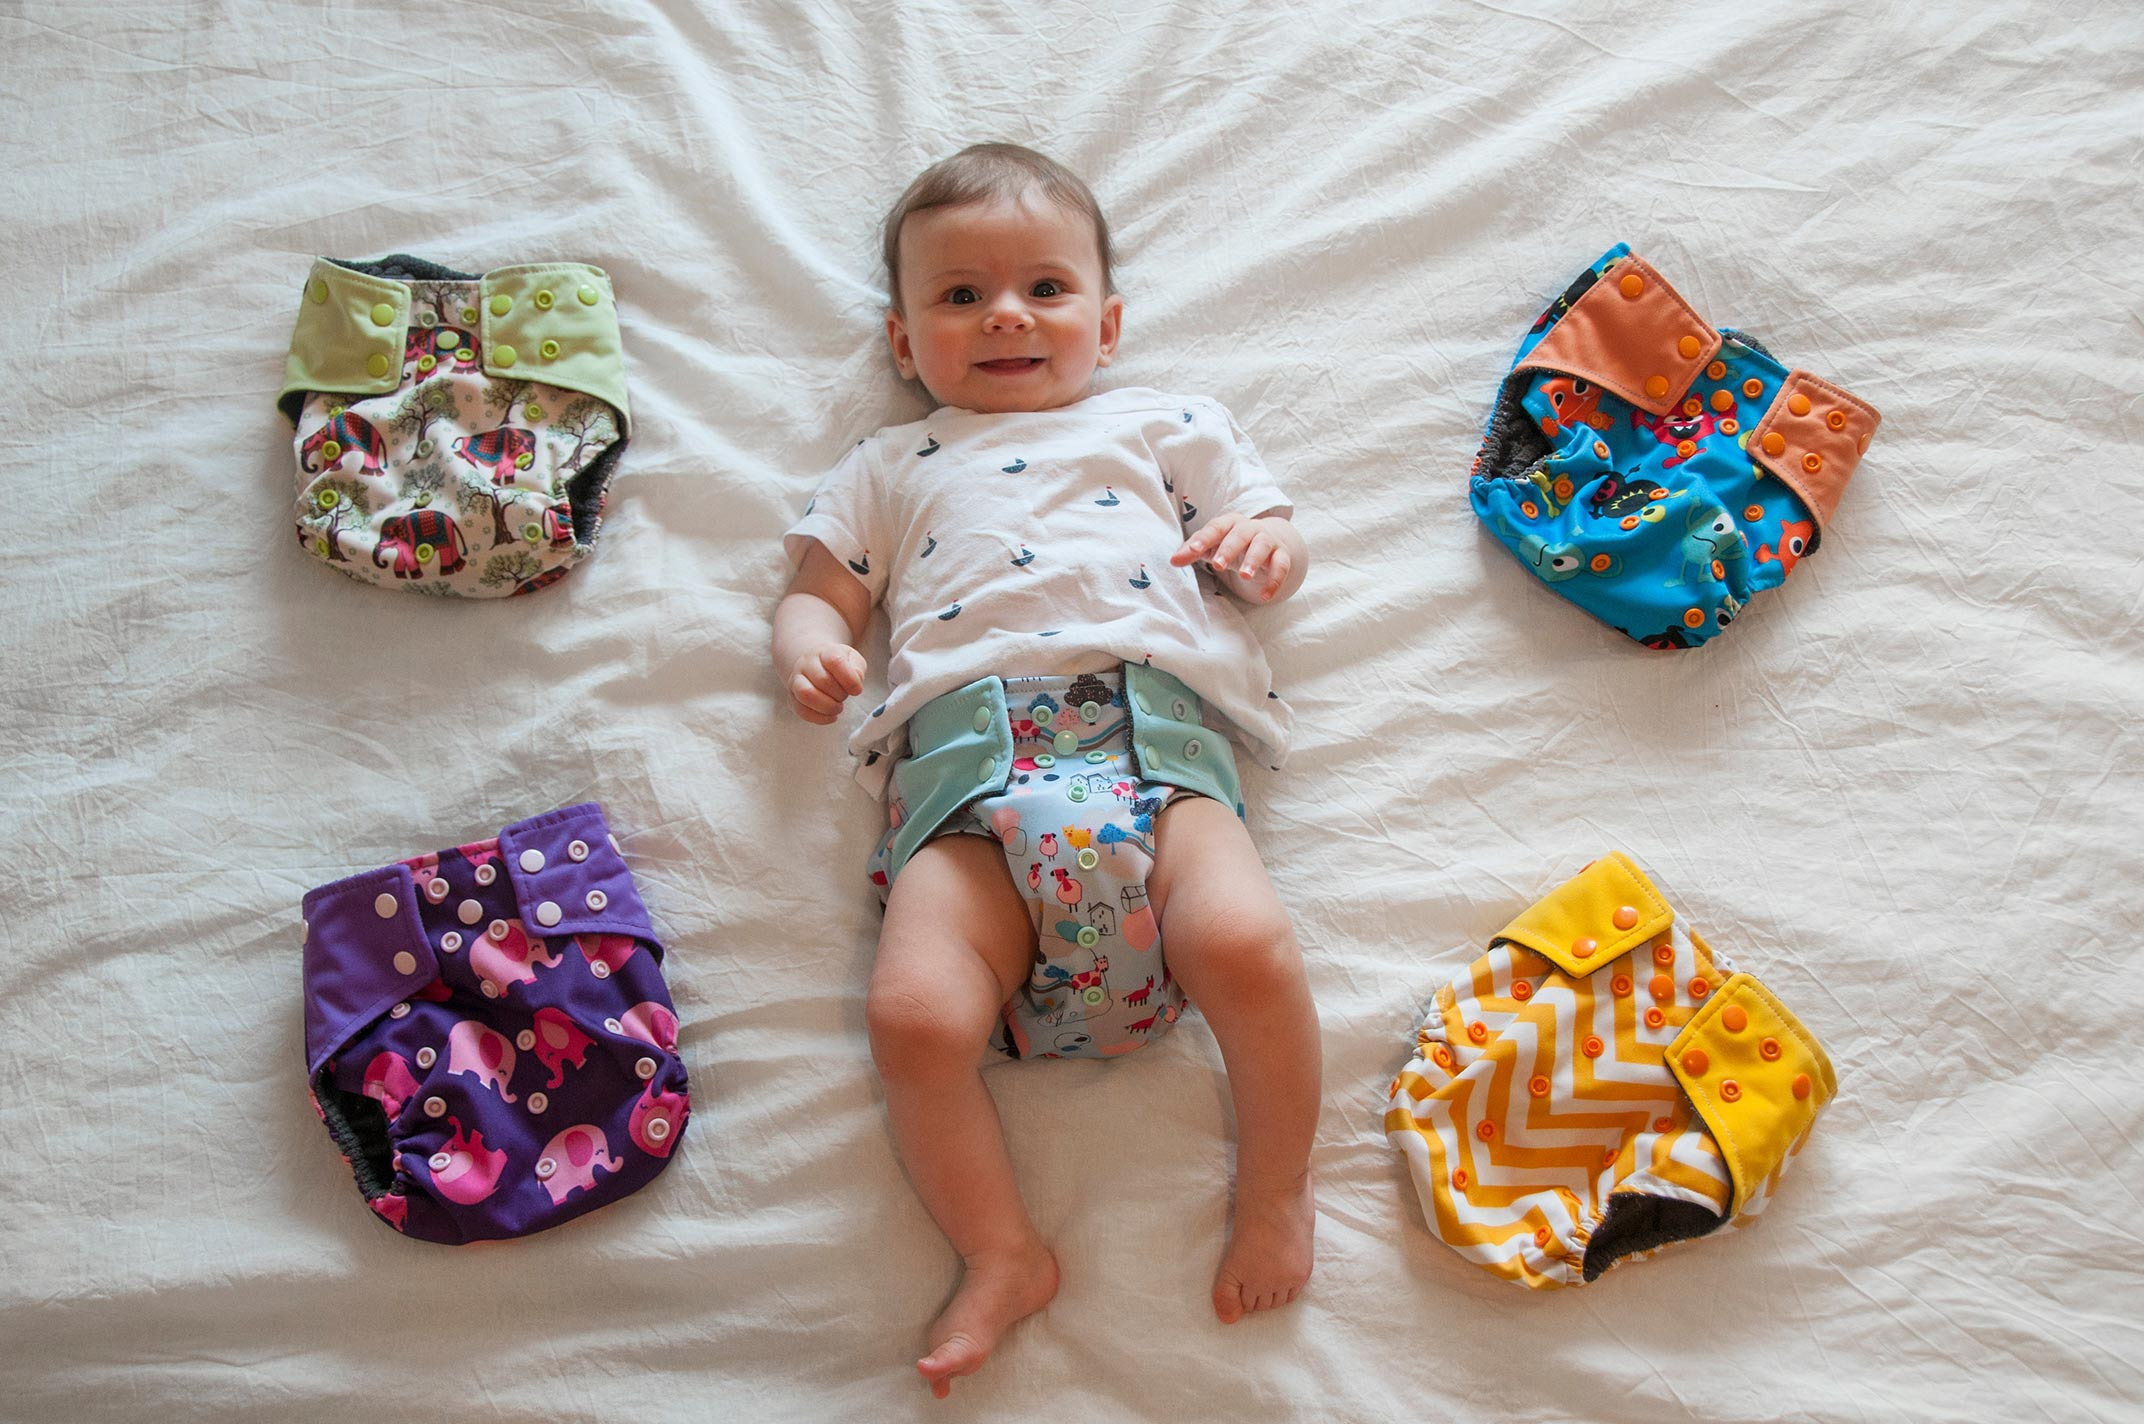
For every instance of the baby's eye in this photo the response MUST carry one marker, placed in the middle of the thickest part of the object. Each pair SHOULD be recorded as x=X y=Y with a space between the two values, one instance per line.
x=962 y=296
x=1046 y=288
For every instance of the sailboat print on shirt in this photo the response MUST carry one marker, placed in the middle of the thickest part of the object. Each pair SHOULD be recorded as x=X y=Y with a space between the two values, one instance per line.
x=1142 y=581
x=1025 y=557
x=1111 y=501
x=863 y=570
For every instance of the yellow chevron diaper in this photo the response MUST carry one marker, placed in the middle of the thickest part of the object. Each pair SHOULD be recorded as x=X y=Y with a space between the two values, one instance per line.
x=1601 y=1083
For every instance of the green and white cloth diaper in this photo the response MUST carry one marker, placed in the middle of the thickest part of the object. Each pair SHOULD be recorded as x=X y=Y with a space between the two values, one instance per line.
x=455 y=432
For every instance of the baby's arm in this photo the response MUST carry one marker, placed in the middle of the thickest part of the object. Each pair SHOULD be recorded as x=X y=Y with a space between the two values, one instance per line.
x=1268 y=553
x=816 y=628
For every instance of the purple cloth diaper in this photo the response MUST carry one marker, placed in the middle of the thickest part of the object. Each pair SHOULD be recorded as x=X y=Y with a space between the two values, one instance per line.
x=487 y=1032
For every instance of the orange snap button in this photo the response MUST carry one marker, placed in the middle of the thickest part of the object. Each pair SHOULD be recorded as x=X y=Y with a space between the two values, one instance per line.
x=1538 y=1087
x=1798 y=403
x=1563 y=487
x=1459 y=1179
x=1735 y=1018
x=1812 y=462
x=1541 y=1236
x=1723 y=400
x=1770 y=1049
x=1862 y=446
x=1442 y=1056
x=1625 y=916
x=1699 y=988
x=1529 y=509
x=1774 y=442
x=1485 y=1131
x=1716 y=370
x=1836 y=420
x=1663 y=1124
x=1693 y=618
x=1629 y=521
x=1663 y=988
x=1600 y=449
x=1592 y=1047
x=1719 y=570
x=1686 y=448
x=1584 y=948
x=1608 y=1157
x=1730 y=426
x=1689 y=346
x=1730 y=1090
x=1754 y=513
x=1654 y=1018
x=1801 y=1085
x=1477 y=1031
x=1753 y=388
x=1663 y=954
x=1656 y=386
x=1599 y=563
x=1631 y=285
x=1621 y=985
x=1521 y=990
x=1659 y=493
x=1692 y=406
x=1694 y=1062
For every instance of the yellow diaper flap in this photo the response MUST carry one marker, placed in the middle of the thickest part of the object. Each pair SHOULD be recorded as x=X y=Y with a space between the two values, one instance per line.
x=1598 y=914
x=1756 y=1077
x=555 y=322
x=348 y=338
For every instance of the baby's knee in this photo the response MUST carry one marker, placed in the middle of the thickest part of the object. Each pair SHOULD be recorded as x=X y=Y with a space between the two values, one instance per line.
x=1248 y=953
x=912 y=1026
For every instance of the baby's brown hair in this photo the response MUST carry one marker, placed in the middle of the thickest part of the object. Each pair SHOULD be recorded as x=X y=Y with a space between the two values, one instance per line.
x=985 y=171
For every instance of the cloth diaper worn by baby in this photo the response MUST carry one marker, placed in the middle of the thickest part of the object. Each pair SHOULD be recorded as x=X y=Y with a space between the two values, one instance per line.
x=1599 y=1084
x=456 y=432
x=1654 y=470
x=487 y=1032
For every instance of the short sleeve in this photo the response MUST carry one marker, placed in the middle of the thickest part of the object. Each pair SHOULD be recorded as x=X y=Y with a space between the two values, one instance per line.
x=1215 y=468
x=848 y=515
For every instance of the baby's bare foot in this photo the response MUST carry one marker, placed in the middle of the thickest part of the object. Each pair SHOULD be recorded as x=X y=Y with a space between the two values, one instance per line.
x=1268 y=1256
x=999 y=1289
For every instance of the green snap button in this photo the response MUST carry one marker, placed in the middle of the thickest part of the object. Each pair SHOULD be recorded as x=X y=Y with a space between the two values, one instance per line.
x=424 y=553
x=1178 y=710
x=425 y=447
x=329 y=499
x=503 y=356
x=1094 y=996
x=533 y=411
x=533 y=532
x=1143 y=707
x=1077 y=791
x=427 y=319
x=1066 y=742
x=543 y=300
x=466 y=353
x=1045 y=761
x=1088 y=935
x=588 y=296
x=318 y=291
x=331 y=452
x=1090 y=711
x=982 y=719
x=987 y=768
x=1098 y=756
x=1192 y=748
x=376 y=364
x=549 y=350
x=1088 y=860
x=427 y=362
x=335 y=410
x=468 y=316
x=447 y=340
x=1146 y=755
x=501 y=304
x=424 y=501
x=383 y=314
x=523 y=460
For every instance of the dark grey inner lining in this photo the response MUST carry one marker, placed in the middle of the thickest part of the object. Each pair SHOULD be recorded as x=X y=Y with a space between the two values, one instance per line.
x=1635 y=1222
x=359 y=1126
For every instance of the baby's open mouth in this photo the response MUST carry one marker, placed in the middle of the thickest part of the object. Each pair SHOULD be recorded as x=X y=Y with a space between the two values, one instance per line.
x=1011 y=365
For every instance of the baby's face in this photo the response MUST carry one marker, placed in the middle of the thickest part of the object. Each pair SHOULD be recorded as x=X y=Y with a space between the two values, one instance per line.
x=1002 y=306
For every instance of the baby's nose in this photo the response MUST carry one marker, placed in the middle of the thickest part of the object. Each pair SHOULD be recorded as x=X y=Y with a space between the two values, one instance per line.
x=1007 y=315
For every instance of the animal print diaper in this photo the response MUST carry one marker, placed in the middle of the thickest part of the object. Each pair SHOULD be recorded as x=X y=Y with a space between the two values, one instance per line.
x=1656 y=471
x=456 y=432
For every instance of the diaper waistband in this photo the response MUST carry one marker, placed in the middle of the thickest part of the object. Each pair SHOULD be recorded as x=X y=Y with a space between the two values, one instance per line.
x=1633 y=334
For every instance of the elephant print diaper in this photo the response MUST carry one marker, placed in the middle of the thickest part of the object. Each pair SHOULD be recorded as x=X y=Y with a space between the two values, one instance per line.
x=488 y=1037
x=455 y=433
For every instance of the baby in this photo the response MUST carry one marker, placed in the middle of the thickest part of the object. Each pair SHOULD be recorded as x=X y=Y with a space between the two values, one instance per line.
x=1062 y=799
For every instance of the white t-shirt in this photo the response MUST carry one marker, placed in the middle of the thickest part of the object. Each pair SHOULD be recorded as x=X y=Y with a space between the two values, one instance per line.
x=1037 y=543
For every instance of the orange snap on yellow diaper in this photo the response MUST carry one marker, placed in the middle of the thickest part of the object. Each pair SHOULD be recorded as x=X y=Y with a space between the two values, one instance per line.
x=1600 y=1084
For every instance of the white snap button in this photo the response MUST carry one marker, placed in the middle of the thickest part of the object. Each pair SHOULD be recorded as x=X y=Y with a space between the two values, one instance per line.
x=451 y=941
x=435 y=890
x=305 y=931
x=538 y=1102
x=548 y=914
x=405 y=962
x=399 y=1011
x=426 y=1057
x=597 y=899
x=435 y=1107
x=614 y=843
x=496 y=929
x=658 y=1129
x=532 y=860
x=544 y=1169
x=987 y=769
x=491 y=990
x=614 y=1026
x=469 y=912
x=578 y=851
x=441 y=1161
x=486 y=873
x=384 y=907
x=645 y=1067
x=525 y=1040
x=599 y=969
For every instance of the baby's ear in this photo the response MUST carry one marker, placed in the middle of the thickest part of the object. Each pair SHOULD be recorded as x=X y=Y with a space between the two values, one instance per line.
x=1112 y=329
x=904 y=359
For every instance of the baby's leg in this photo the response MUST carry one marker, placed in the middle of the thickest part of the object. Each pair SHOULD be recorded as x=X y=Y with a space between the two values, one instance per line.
x=1226 y=937
x=956 y=943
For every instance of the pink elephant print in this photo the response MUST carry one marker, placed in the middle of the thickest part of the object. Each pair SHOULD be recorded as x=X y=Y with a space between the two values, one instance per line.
x=558 y=526
x=569 y=1161
x=444 y=344
x=480 y=854
x=393 y=1208
x=656 y=1119
x=387 y=1078
x=472 y=1170
x=504 y=960
x=559 y=1041
x=345 y=433
x=651 y=1023
x=606 y=953
x=506 y=451
x=418 y=538
x=484 y=1054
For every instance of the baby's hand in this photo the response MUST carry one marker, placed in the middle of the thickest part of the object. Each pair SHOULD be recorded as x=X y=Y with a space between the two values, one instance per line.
x=825 y=679
x=1262 y=563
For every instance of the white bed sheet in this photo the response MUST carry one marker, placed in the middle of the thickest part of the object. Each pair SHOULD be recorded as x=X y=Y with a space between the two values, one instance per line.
x=1905 y=788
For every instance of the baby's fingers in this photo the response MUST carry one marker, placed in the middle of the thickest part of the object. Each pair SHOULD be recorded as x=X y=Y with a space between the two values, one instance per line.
x=1196 y=546
x=812 y=704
